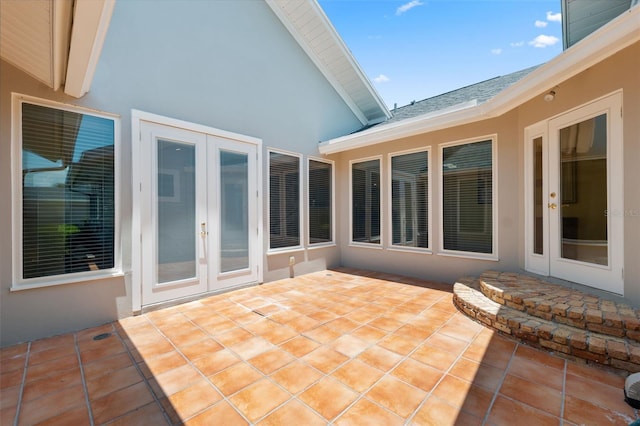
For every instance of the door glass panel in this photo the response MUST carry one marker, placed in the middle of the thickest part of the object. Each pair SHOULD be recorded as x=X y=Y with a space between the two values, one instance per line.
x=538 y=231
x=176 y=211
x=583 y=193
x=234 y=208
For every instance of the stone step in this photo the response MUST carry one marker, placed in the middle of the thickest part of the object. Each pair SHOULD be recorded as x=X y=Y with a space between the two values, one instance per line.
x=563 y=339
x=560 y=304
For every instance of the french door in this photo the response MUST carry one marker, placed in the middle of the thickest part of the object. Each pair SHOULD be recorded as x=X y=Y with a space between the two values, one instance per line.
x=199 y=213
x=573 y=178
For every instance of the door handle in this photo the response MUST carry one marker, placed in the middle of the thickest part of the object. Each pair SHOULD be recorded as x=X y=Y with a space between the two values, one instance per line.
x=552 y=206
x=203 y=229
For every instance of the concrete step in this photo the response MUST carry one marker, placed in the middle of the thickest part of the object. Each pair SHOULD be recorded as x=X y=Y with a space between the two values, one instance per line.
x=564 y=339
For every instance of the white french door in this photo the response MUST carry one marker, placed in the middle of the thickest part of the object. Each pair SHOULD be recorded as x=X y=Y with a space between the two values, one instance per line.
x=199 y=213
x=573 y=178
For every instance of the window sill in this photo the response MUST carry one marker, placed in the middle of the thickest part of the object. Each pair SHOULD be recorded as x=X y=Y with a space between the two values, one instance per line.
x=366 y=245
x=66 y=280
x=285 y=250
x=410 y=250
x=321 y=246
x=470 y=255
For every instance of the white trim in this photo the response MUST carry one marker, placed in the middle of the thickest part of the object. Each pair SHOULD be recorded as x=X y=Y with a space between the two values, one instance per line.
x=308 y=242
x=382 y=194
x=91 y=20
x=392 y=246
x=301 y=227
x=62 y=13
x=601 y=44
x=494 y=197
x=18 y=282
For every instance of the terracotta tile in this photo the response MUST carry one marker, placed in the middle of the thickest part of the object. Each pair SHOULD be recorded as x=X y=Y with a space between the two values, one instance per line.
x=150 y=414
x=129 y=323
x=540 y=357
x=14 y=351
x=250 y=317
x=270 y=361
x=366 y=412
x=51 y=405
x=596 y=374
x=106 y=366
x=17 y=362
x=396 y=395
x=9 y=397
x=216 y=327
x=434 y=357
x=161 y=363
x=107 y=383
x=120 y=402
x=188 y=337
x=292 y=413
x=482 y=375
x=386 y=324
x=51 y=354
x=416 y=332
x=220 y=414
x=497 y=353
x=399 y=344
x=325 y=359
x=607 y=396
x=233 y=336
x=585 y=413
x=447 y=343
x=108 y=347
x=285 y=316
x=258 y=399
x=175 y=380
x=417 y=374
x=146 y=337
x=251 y=347
x=460 y=393
x=446 y=305
x=323 y=316
x=329 y=397
x=8 y=415
x=218 y=361
x=537 y=373
x=369 y=334
x=89 y=333
x=296 y=376
x=459 y=330
x=279 y=334
x=11 y=378
x=322 y=334
x=64 y=340
x=55 y=382
x=343 y=325
x=534 y=394
x=75 y=416
x=380 y=358
x=357 y=375
x=401 y=314
x=304 y=323
x=506 y=412
x=299 y=346
x=236 y=377
x=200 y=349
x=436 y=317
x=349 y=345
x=152 y=350
x=189 y=401
x=436 y=412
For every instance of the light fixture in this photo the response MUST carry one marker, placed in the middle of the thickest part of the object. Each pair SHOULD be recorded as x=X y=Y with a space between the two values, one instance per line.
x=550 y=96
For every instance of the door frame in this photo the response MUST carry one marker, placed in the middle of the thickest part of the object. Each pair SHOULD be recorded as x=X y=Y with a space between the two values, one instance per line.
x=137 y=156
x=545 y=264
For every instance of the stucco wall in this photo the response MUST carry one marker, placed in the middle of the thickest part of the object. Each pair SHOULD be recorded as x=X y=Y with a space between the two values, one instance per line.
x=229 y=65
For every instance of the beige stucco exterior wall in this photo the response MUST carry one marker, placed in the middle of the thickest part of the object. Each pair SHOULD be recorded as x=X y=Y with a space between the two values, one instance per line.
x=618 y=72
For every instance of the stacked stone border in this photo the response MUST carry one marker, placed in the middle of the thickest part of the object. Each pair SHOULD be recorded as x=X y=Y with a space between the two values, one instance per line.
x=569 y=341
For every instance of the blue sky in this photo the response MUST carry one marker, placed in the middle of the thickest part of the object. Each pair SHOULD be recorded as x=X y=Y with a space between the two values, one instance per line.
x=415 y=49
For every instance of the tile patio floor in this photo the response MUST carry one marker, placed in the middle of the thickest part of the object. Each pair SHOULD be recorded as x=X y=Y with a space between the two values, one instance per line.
x=333 y=347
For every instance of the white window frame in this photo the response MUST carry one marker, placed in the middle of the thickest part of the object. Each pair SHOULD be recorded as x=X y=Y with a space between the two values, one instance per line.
x=301 y=227
x=494 y=198
x=352 y=243
x=333 y=204
x=18 y=282
x=425 y=250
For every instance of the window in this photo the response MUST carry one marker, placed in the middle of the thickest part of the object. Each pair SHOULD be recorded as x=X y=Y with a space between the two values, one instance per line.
x=365 y=202
x=467 y=197
x=284 y=200
x=320 y=202
x=410 y=199
x=66 y=193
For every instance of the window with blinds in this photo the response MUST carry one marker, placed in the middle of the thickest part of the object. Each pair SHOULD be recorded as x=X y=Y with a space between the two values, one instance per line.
x=320 y=199
x=284 y=200
x=68 y=214
x=410 y=200
x=467 y=197
x=365 y=202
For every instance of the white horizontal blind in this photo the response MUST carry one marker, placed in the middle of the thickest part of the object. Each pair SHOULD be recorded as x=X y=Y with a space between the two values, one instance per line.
x=365 y=201
x=320 y=208
x=409 y=200
x=284 y=200
x=67 y=192
x=467 y=195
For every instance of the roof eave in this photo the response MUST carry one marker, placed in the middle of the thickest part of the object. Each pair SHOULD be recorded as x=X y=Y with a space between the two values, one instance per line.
x=606 y=41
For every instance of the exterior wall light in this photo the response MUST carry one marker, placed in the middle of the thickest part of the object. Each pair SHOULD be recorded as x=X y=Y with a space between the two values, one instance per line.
x=550 y=96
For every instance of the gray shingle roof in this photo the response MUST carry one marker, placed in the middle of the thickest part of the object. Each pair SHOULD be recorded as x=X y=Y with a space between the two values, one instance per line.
x=480 y=92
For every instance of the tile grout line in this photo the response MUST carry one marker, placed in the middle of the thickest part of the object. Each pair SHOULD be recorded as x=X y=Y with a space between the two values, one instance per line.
x=564 y=392
x=497 y=391
x=82 y=378
x=22 y=384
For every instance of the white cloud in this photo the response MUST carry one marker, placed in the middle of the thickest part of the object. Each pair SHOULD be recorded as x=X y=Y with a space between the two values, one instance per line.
x=496 y=51
x=554 y=17
x=381 y=78
x=517 y=44
x=540 y=24
x=407 y=6
x=544 y=41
